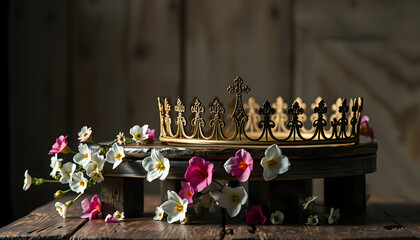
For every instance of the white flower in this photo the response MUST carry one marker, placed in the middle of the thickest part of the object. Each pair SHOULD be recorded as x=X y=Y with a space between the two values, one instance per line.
x=118 y=215
x=27 y=181
x=277 y=217
x=55 y=165
x=158 y=214
x=79 y=183
x=66 y=172
x=120 y=138
x=139 y=133
x=115 y=155
x=175 y=207
x=274 y=163
x=156 y=166
x=94 y=168
x=312 y=220
x=209 y=200
x=307 y=205
x=84 y=155
x=334 y=216
x=232 y=199
x=84 y=134
x=61 y=209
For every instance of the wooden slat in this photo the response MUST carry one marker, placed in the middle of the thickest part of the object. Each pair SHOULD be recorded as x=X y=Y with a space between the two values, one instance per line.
x=45 y=223
x=225 y=39
x=369 y=49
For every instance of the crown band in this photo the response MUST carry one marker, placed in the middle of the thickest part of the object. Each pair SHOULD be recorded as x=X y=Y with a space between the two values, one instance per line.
x=271 y=123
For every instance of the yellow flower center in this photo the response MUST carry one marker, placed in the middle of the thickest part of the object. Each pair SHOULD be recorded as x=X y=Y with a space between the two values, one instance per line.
x=82 y=183
x=235 y=199
x=271 y=163
x=86 y=155
x=160 y=166
x=118 y=156
x=85 y=134
x=121 y=139
x=243 y=165
x=138 y=135
x=179 y=207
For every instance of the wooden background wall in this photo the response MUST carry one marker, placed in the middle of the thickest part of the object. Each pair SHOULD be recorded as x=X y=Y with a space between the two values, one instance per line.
x=103 y=63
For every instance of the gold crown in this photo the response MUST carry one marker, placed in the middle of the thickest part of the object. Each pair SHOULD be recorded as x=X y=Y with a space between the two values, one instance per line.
x=250 y=124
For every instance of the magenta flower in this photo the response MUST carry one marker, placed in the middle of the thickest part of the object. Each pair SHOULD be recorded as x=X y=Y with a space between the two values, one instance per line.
x=187 y=192
x=255 y=215
x=240 y=166
x=91 y=207
x=60 y=146
x=110 y=219
x=365 y=129
x=151 y=135
x=199 y=173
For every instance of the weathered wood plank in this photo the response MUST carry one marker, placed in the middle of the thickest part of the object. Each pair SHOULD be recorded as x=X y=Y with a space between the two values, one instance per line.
x=369 y=49
x=225 y=39
x=45 y=223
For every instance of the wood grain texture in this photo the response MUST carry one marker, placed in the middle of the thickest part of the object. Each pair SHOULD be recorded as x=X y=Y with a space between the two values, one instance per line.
x=45 y=223
x=225 y=39
x=368 y=49
x=316 y=166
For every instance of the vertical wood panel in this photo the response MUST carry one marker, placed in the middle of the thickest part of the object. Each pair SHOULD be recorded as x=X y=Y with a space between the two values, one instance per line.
x=368 y=49
x=38 y=94
x=226 y=39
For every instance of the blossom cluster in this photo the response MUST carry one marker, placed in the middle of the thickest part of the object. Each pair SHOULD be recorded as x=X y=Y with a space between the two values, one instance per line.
x=199 y=176
x=85 y=169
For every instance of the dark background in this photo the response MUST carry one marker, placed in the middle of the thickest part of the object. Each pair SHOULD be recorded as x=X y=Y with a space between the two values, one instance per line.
x=103 y=63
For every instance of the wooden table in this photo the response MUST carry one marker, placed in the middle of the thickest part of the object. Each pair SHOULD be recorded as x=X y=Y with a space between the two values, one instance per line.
x=392 y=218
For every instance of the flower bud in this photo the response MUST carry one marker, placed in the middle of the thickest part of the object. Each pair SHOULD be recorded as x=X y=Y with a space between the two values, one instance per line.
x=102 y=152
x=59 y=194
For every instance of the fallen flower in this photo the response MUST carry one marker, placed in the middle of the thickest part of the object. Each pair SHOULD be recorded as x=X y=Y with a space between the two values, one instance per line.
x=277 y=217
x=175 y=207
x=158 y=214
x=115 y=155
x=139 y=133
x=312 y=220
x=199 y=173
x=365 y=129
x=91 y=207
x=156 y=165
x=307 y=205
x=151 y=135
x=240 y=166
x=255 y=215
x=334 y=216
x=187 y=192
x=110 y=219
x=118 y=215
x=232 y=199
x=274 y=163
x=62 y=208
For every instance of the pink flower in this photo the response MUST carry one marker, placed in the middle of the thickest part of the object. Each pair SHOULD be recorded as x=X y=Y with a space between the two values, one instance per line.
x=255 y=215
x=91 y=207
x=365 y=129
x=187 y=192
x=60 y=146
x=199 y=173
x=240 y=166
x=110 y=219
x=151 y=135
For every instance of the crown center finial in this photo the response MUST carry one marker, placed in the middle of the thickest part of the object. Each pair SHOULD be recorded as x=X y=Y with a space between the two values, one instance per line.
x=238 y=87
